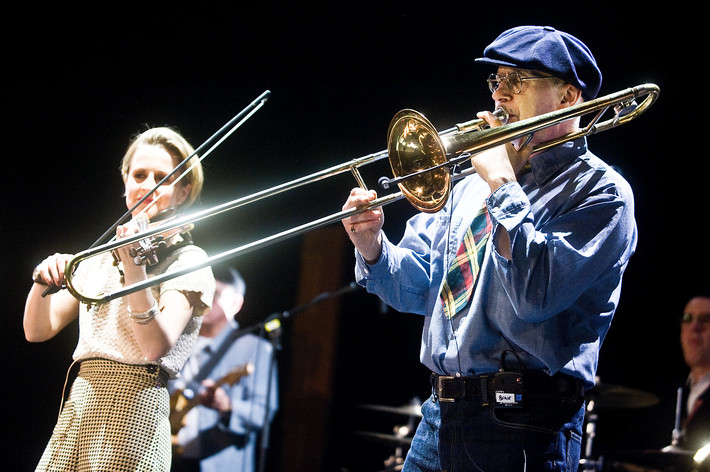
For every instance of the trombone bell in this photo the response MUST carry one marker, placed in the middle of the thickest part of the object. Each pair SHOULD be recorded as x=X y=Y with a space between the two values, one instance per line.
x=414 y=146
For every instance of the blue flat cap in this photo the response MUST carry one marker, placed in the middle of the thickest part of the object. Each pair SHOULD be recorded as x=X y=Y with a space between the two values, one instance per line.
x=546 y=49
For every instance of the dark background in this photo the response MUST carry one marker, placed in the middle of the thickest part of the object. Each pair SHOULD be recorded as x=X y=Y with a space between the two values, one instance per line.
x=79 y=82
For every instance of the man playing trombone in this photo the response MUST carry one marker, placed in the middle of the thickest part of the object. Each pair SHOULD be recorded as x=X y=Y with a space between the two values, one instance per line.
x=518 y=275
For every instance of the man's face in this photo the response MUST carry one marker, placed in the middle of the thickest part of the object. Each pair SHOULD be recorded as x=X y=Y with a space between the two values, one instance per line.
x=226 y=303
x=695 y=333
x=535 y=97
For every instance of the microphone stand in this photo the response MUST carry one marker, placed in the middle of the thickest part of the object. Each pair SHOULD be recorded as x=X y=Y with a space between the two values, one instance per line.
x=272 y=326
x=677 y=434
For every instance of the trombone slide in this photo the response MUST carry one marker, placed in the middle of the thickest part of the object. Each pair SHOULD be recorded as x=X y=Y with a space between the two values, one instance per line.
x=441 y=151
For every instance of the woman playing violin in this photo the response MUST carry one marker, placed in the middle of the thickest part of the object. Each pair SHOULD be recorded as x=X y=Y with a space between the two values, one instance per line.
x=117 y=414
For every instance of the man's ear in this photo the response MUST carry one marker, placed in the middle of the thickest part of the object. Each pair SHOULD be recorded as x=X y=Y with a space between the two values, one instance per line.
x=571 y=95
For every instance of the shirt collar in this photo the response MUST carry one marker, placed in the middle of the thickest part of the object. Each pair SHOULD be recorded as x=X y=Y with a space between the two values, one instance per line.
x=546 y=164
x=231 y=326
x=704 y=380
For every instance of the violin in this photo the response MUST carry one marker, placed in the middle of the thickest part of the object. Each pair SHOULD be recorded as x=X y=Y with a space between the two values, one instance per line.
x=150 y=250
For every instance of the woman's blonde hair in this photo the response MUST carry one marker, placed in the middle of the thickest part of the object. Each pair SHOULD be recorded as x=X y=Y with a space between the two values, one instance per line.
x=179 y=149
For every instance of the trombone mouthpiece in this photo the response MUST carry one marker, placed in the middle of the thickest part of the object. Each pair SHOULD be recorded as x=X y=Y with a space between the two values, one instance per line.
x=502 y=114
x=479 y=123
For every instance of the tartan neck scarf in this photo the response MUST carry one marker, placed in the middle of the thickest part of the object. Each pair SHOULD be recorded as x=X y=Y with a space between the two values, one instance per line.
x=463 y=272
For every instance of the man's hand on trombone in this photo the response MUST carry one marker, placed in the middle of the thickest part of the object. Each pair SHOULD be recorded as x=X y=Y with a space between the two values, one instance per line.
x=364 y=228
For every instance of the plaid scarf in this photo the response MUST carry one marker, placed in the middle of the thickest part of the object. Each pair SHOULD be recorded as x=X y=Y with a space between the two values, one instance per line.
x=463 y=273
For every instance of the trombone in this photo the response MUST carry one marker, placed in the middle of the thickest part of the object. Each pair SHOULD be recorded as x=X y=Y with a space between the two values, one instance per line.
x=422 y=162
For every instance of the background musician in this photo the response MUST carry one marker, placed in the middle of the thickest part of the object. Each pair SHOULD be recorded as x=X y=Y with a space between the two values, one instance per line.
x=695 y=343
x=221 y=432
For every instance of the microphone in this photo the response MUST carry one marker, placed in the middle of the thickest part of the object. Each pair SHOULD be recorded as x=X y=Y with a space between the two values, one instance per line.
x=273 y=328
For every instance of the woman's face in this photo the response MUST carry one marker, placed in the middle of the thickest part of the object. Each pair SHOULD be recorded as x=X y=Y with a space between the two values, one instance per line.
x=149 y=165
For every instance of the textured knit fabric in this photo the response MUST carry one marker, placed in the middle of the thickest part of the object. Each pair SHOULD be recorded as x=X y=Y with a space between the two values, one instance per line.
x=106 y=331
x=117 y=416
x=115 y=419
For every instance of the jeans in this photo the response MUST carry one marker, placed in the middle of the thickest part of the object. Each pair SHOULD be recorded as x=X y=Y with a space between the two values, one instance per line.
x=465 y=436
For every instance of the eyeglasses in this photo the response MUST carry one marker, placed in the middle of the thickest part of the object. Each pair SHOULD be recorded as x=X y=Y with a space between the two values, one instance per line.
x=515 y=81
x=703 y=318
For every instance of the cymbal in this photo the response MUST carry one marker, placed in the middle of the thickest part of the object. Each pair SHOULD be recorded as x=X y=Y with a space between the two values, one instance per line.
x=616 y=396
x=667 y=456
x=389 y=439
x=406 y=410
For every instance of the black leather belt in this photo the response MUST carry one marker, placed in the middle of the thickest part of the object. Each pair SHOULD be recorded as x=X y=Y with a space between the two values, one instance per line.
x=485 y=388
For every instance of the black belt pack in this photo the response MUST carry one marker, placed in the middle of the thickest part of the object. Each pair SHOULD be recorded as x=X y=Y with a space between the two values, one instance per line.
x=504 y=389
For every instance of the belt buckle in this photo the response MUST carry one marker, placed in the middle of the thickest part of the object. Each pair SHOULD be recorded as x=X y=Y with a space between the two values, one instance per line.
x=447 y=391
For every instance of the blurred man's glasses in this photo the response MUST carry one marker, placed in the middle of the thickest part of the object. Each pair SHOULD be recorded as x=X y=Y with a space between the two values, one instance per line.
x=703 y=318
x=514 y=80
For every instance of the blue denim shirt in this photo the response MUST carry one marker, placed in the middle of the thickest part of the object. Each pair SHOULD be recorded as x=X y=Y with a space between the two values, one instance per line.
x=572 y=229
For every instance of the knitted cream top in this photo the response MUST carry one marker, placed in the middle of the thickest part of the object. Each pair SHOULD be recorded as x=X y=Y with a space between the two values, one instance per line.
x=106 y=331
